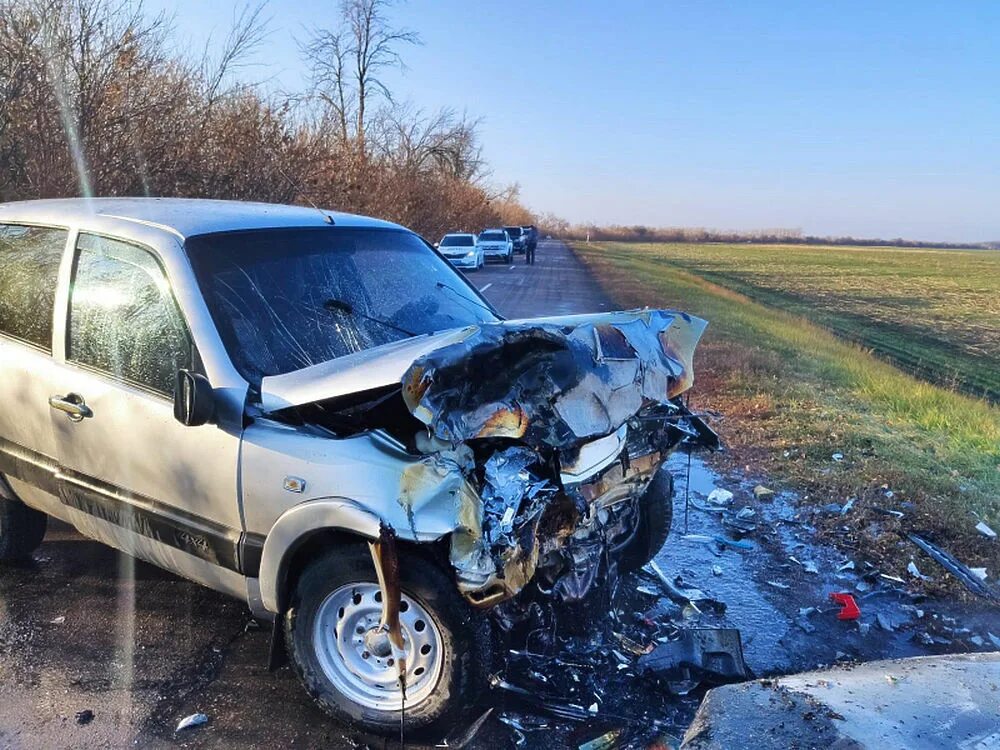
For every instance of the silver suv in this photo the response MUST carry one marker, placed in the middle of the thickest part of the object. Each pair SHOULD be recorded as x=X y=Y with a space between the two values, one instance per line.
x=315 y=413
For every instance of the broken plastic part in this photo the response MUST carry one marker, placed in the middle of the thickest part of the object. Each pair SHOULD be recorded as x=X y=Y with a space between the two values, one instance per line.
x=712 y=655
x=945 y=559
x=849 y=609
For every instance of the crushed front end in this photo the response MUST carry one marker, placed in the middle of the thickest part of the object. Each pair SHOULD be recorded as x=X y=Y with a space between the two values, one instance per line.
x=561 y=425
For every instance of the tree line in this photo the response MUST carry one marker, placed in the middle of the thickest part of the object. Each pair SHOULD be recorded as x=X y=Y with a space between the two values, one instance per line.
x=96 y=99
x=778 y=236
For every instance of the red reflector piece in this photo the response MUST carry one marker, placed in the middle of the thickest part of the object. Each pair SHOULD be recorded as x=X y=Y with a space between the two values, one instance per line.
x=849 y=609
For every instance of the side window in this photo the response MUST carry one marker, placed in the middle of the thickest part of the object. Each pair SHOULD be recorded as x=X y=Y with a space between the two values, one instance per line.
x=29 y=265
x=122 y=317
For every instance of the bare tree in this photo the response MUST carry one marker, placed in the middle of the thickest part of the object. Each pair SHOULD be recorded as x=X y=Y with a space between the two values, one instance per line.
x=348 y=63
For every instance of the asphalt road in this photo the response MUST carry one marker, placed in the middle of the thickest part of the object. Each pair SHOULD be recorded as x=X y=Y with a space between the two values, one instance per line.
x=85 y=628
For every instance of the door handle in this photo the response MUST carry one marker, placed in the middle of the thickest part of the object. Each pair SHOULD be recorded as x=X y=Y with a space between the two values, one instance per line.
x=73 y=405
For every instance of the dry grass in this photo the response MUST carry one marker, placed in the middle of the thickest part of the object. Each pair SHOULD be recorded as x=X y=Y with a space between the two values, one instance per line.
x=792 y=394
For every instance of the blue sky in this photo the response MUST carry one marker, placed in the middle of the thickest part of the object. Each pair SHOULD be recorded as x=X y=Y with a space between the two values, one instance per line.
x=870 y=119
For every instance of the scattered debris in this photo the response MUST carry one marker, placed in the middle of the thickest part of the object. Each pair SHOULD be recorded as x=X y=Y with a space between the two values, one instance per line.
x=838 y=457
x=994 y=639
x=893 y=579
x=720 y=496
x=712 y=655
x=83 y=718
x=849 y=565
x=740 y=522
x=763 y=493
x=945 y=559
x=679 y=593
x=979 y=573
x=58 y=620
x=985 y=530
x=606 y=741
x=847 y=506
x=468 y=733
x=885 y=622
x=189 y=722
x=849 y=609
x=717 y=570
x=736 y=543
x=549 y=705
x=778 y=584
x=914 y=571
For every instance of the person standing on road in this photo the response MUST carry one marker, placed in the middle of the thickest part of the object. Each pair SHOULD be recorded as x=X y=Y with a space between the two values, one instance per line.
x=531 y=242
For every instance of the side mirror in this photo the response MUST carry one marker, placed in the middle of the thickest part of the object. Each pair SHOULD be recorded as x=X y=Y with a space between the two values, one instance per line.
x=194 y=399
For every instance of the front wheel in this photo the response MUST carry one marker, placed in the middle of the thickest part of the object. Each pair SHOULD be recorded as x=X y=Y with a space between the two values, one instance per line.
x=343 y=660
x=655 y=514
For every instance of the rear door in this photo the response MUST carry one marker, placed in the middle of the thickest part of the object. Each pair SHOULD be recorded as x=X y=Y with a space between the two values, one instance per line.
x=30 y=258
x=137 y=478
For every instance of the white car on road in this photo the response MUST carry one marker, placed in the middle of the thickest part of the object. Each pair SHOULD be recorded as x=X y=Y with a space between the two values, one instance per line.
x=496 y=243
x=462 y=251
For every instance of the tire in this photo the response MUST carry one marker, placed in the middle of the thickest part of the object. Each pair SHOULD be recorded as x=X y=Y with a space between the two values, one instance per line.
x=653 y=527
x=462 y=638
x=21 y=530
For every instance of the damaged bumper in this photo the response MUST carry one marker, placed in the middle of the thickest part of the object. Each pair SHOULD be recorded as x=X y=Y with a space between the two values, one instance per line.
x=569 y=421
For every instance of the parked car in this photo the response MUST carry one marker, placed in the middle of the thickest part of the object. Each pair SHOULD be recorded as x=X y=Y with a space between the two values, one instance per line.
x=516 y=237
x=496 y=243
x=462 y=250
x=273 y=401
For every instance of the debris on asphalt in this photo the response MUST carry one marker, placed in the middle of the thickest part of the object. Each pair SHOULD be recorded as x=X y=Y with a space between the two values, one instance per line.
x=994 y=639
x=467 y=734
x=717 y=570
x=849 y=609
x=985 y=530
x=83 y=718
x=742 y=544
x=847 y=506
x=849 y=565
x=808 y=565
x=946 y=560
x=763 y=493
x=979 y=573
x=838 y=457
x=914 y=571
x=778 y=584
x=58 y=620
x=676 y=590
x=607 y=741
x=885 y=622
x=720 y=496
x=192 y=721
x=713 y=655
x=740 y=522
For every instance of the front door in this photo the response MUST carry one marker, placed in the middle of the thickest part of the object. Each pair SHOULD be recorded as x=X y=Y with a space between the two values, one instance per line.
x=135 y=477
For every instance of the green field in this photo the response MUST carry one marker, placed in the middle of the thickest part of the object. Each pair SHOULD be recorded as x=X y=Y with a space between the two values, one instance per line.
x=935 y=313
x=816 y=351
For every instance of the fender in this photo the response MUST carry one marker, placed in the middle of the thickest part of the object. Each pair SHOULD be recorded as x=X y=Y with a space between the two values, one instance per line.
x=301 y=521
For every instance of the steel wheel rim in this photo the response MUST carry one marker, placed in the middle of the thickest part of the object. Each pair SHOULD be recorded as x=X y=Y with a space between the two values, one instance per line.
x=343 y=620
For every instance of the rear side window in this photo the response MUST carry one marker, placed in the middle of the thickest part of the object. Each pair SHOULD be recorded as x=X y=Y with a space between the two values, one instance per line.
x=29 y=265
x=123 y=319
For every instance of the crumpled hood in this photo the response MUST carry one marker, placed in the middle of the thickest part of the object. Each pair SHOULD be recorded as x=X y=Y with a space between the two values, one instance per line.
x=555 y=380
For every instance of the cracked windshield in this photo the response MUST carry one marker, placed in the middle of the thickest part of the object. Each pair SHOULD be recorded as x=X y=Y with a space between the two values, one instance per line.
x=424 y=373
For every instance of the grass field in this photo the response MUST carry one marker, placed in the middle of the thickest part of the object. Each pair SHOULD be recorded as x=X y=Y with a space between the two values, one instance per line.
x=935 y=313
x=792 y=390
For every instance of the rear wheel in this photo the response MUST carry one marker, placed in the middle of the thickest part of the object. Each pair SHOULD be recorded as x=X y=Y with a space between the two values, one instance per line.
x=343 y=660
x=21 y=530
x=655 y=513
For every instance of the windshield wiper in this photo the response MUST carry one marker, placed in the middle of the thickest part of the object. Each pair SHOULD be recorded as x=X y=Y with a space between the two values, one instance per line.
x=453 y=290
x=339 y=306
